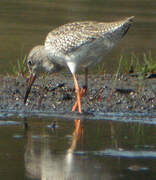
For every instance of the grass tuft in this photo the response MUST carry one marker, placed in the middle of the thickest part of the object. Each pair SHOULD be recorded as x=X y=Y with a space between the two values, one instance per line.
x=20 y=68
x=143 y=64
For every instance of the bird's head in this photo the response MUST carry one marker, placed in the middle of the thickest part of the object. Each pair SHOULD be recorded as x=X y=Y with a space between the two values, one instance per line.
x=38 y=62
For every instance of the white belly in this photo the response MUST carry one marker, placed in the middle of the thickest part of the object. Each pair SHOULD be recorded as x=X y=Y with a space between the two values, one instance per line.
x=83 y=56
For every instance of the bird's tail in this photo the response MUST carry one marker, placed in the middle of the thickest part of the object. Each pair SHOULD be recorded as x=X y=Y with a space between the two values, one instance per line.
x=127 y=24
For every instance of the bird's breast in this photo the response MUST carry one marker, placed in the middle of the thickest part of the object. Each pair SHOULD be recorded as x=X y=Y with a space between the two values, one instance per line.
x=83 y=56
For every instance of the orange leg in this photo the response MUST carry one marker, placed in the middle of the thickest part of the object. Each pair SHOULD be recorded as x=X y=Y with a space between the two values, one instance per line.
x=78 y=128
x=77 y=134
x=82 y=90
x=77 y=94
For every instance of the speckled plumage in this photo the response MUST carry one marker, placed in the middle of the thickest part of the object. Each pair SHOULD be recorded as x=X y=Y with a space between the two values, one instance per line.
x=84 y=43
x=75 y=45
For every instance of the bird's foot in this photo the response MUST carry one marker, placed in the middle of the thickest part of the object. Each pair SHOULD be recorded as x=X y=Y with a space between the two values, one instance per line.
x=82 y=93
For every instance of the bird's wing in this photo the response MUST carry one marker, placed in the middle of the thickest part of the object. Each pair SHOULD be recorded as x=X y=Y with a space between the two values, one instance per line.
x=71 y=36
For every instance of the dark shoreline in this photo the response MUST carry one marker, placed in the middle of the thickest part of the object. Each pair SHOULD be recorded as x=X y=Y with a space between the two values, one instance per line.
x=126 y=94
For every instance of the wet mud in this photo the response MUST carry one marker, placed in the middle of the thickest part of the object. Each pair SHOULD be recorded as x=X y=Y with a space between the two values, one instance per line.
x=126 y=93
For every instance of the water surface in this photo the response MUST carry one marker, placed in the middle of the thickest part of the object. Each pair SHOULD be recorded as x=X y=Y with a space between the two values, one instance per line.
x=25 y=24
x=61 y=148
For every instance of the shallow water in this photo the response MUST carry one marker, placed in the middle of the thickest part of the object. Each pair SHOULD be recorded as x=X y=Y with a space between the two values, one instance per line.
x=36 y=146
x=25 y=24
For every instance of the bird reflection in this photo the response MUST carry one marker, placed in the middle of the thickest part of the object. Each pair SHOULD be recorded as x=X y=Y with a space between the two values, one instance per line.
x=41 y=163
x=43 y=160
x=78 y=132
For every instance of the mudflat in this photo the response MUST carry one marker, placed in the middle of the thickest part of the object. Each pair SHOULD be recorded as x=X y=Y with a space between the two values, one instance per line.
x=126 y=93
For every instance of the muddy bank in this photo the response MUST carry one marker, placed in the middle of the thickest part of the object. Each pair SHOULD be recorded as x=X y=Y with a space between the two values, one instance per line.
x=126 y=94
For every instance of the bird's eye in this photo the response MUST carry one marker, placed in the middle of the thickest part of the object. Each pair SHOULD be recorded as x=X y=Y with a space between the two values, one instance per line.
x=29 y=62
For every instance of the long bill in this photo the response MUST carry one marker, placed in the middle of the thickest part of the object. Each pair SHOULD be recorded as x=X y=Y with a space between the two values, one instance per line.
x=30 y=83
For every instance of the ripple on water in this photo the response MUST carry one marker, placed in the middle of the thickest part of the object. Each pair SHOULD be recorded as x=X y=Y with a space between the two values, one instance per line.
x=144 y=118
x=120 y=153
x=5 y=115
x=137 y=168
x=9 y=123
x=17 y=136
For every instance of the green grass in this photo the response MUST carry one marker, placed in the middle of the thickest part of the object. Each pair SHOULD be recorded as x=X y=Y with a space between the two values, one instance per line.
x=20 y=68
x=143 y=64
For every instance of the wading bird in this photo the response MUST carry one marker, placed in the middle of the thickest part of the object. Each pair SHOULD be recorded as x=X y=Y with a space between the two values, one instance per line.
x=75 y=45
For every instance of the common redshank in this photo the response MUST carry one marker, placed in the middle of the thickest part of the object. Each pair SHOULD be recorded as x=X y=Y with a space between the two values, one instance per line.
x=75 y=45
